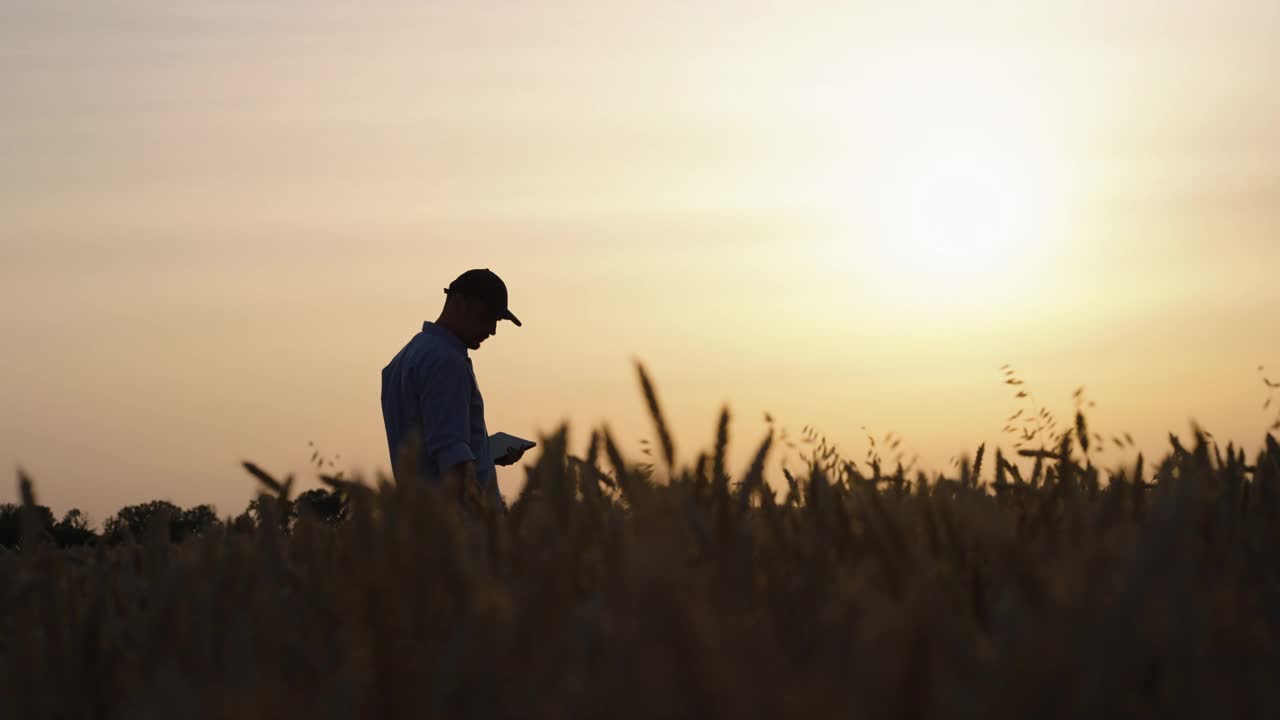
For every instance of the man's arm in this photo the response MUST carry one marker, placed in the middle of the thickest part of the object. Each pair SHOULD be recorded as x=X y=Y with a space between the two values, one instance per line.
x=446 y=419
x=459 y=475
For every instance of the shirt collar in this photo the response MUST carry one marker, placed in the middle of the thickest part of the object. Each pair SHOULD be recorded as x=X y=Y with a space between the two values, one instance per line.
x=449 y=338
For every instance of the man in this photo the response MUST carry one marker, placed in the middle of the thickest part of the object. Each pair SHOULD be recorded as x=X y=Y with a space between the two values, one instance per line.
x=431 y=402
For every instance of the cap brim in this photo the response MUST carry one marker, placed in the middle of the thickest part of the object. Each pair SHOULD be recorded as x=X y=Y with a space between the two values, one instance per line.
x=508 y=315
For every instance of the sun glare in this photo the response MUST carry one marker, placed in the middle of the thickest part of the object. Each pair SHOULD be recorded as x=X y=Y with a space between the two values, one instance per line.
x=953 y=187
x=956 y=216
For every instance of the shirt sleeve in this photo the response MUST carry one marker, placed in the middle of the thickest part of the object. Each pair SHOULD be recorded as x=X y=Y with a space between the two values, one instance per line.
x=446 y=414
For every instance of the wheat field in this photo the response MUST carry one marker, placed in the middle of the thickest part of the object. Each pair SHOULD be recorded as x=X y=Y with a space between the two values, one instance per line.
x=1031 y=586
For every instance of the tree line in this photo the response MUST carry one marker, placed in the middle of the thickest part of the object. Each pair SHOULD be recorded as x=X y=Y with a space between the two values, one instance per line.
x=132 y=521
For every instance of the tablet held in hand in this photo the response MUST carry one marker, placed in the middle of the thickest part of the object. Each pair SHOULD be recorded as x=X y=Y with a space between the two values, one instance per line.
x=500 y=444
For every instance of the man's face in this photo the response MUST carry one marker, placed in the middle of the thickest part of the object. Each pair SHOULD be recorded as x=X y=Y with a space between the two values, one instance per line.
x=480 y=322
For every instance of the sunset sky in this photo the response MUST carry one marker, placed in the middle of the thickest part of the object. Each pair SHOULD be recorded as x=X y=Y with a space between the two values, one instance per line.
x=218 y=221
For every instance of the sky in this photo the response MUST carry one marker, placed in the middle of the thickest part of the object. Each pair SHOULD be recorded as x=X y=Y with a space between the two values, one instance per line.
x=219 y=221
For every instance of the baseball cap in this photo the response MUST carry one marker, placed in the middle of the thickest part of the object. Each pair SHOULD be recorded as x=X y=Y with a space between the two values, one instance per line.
x=484 y=285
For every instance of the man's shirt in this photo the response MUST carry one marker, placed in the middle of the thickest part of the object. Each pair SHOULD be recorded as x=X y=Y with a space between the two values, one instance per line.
x=430 y=389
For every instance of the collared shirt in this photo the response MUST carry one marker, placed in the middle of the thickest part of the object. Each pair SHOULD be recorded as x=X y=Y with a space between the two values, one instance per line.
x=430 y=388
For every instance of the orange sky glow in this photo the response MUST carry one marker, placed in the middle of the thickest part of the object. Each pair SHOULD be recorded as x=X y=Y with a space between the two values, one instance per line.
x=218 y=221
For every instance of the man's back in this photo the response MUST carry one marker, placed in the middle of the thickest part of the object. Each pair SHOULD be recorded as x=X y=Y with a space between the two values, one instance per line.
x=431 y=404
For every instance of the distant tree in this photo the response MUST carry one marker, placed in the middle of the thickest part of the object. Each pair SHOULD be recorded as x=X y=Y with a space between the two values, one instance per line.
x=282 y=513
x=11 y=523
x=134 y=519
x=325 y=505
x=245 y=522
x=10 y=526
x=74 y=530
x=75 y=519
x=253 y=511
x=193 y=521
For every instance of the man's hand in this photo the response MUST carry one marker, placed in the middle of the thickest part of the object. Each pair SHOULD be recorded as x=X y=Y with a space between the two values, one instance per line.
x=511 y=457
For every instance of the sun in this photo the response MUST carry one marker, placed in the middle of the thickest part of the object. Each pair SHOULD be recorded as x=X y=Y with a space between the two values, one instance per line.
x=956 y=216
x=951 y=186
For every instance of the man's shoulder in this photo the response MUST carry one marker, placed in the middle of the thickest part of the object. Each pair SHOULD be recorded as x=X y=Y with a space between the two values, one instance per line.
x=428 y=352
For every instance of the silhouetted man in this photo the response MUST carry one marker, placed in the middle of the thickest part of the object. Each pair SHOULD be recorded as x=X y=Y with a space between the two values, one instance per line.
x=431 y=402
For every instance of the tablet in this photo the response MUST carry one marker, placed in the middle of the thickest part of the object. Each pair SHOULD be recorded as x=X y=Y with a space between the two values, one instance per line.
x=500 y=443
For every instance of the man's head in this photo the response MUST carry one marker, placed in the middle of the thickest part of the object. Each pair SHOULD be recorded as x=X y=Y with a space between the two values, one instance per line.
x=477 y=301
